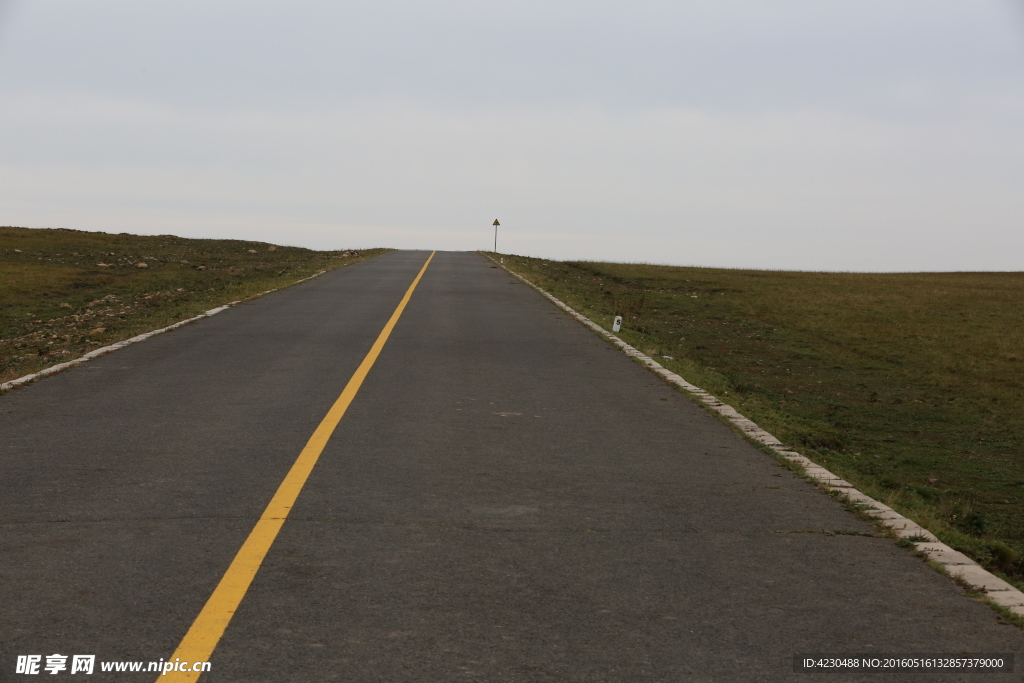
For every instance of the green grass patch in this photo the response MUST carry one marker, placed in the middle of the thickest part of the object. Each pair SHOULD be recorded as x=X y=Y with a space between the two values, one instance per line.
x=66 y=292
x=907 y=385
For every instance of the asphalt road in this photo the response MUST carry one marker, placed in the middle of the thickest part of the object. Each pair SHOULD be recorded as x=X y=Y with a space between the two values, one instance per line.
x=509 y=498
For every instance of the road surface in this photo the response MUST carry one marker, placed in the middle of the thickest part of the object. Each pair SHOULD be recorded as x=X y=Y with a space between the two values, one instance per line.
x=507 y=498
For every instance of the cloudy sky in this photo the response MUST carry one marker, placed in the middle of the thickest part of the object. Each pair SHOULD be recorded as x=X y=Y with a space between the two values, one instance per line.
x=809 y=134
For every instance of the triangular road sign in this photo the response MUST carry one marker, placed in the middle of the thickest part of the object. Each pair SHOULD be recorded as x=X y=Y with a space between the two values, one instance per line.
x=495 y=222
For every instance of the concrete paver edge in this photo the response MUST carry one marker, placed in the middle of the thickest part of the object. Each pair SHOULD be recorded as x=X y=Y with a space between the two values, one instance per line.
x=955 y=564
x=104 y=350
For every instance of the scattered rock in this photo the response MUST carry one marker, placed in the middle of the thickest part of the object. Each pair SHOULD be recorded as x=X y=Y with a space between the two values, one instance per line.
x=17 y=251
x=932 y=480
x=142 y=265
x=200 y=267
x=103 y=265
x=252 y=251
x=65 y=305
x=271 y=248
x=98 y=330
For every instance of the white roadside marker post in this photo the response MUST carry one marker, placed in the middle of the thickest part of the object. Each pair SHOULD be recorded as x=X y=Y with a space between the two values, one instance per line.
x=617 y=325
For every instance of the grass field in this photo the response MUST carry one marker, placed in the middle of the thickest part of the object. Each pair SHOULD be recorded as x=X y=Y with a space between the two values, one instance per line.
x=66 y=292
x=908 y=385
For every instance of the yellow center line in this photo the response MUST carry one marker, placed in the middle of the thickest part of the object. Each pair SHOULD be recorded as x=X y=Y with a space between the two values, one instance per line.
x=206 y=631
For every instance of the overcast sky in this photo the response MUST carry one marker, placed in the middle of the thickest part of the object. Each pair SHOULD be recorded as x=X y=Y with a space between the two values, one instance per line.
x=809 y=134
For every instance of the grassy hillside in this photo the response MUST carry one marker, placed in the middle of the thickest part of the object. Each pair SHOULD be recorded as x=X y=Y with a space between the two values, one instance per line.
x=65 y=292
x=911 y=386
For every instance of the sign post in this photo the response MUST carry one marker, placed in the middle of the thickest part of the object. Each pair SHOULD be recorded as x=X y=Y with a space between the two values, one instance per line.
x=496 y=224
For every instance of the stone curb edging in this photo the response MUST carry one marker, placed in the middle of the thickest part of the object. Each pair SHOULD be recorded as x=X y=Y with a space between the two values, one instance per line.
x=104 y=350
x=955 y=564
